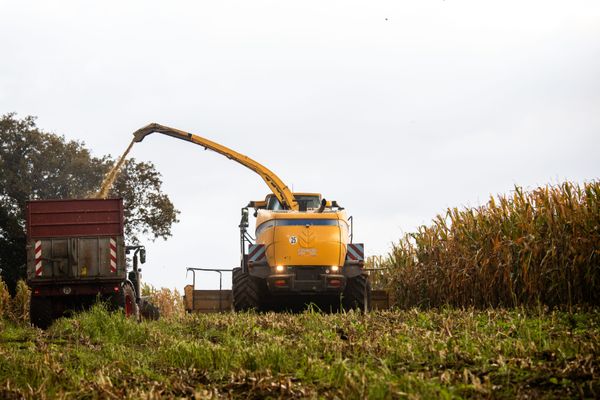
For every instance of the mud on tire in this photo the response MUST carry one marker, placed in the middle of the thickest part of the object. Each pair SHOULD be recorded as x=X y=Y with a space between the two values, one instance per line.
x=357 y=292
x=248 y=291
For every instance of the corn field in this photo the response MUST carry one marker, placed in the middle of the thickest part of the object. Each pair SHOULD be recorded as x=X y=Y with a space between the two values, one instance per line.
x=169 y=302
x=378 y=269
x=526 y=248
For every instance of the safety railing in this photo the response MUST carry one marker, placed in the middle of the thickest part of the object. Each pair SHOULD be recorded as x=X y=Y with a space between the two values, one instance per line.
x=217 y=270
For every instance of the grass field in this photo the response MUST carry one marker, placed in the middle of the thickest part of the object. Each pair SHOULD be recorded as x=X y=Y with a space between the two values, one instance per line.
x=444 y=353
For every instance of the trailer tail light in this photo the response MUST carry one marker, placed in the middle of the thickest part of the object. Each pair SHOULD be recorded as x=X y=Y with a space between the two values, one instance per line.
x=280 y=282
x=335 y=282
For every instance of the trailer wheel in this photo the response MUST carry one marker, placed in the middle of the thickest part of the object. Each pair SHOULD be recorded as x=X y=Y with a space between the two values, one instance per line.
x=248 y=291
x=40 y=311
x=357 y=294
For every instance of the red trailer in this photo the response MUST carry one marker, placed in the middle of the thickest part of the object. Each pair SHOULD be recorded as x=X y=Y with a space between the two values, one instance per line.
x=75 y=255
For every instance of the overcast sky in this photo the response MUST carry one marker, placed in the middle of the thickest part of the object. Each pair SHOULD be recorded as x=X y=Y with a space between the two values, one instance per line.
x=396 y=109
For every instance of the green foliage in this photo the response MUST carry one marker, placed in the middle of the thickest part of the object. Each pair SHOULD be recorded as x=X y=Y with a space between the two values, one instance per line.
x=147 y=289
x=539 y=247
x=99 y=325
x=148 y=211
x=40 y=165
x=444 y=353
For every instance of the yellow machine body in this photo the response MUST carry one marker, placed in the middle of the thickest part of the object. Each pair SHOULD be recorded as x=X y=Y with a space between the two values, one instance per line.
x=293 y=238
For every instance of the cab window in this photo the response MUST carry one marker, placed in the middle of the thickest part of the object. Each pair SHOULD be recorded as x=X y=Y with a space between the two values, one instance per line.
x=273 y=204
x=307 y=202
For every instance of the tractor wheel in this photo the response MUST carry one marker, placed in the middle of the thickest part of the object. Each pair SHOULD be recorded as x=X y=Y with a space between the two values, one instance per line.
x=357 y=294
x=125 y=300
x=149 y=311
x=131 y=307
x=248 y=291
x=40 y=311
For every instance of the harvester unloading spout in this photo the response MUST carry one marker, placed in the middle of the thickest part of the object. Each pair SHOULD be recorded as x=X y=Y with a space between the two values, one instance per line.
x=279 y=189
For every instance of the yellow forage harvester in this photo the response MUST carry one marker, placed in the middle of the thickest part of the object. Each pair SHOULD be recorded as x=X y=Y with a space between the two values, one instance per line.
x=302 y=250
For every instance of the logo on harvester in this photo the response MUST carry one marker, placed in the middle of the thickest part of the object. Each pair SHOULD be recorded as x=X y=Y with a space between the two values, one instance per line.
x=293 y=240
x=307 y=252
x=307 y=239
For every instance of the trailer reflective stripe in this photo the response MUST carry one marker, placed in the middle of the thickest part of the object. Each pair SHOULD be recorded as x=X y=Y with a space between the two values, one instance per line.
x=113 y=255
x=38 y=258
x=256 y=252
x=356 y=251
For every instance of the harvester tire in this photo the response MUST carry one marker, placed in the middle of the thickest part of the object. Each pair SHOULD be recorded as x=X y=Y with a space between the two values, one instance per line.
x=40 y=312
x=357 y=294
x=248 y=291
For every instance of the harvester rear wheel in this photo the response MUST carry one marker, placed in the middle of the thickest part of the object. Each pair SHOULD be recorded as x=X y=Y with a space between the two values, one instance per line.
x=248 y=291
x=40 y=312
x=357 y=294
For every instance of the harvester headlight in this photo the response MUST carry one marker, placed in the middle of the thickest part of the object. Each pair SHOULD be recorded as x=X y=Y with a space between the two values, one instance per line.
x=335 y=268
x=279 y=268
